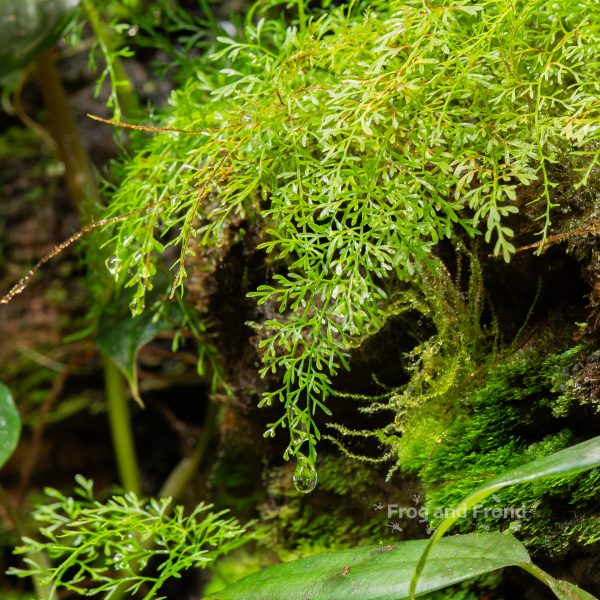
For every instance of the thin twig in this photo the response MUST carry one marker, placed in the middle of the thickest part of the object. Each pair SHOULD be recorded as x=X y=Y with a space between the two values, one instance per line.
x=145 y=127
x=24 y=281
x=561 y=237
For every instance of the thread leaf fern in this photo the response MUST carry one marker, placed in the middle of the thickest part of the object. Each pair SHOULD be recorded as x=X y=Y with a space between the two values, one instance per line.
x=361 y=139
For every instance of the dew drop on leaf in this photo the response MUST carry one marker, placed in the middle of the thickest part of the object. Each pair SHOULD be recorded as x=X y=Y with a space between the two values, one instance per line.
x=113 y=264
x=305 y=475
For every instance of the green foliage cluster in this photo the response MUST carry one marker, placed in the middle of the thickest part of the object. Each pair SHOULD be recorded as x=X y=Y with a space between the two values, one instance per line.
x=105 y=547
x=495 y=427
x=356 y=140
x=439 y=365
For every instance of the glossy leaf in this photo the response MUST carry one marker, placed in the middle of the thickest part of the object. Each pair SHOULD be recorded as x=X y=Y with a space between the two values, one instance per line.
x=10 y=424
x=580 y=457
x=123 y=339
x=380 y=572
x=28 y=27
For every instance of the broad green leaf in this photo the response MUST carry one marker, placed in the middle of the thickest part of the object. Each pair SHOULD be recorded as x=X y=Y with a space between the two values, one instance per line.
x=123 y=340
x=28 y=27
x=380 y=572
x=10 y=424
x=580 y=457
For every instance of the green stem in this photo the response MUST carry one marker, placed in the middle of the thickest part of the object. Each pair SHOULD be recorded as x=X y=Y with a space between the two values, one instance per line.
x=123 y=88
x=81 y=184
x=536 y=572
x=562 y=589
x=79 y=175
x=301 y=16
x=120 y=426
x=84 y=195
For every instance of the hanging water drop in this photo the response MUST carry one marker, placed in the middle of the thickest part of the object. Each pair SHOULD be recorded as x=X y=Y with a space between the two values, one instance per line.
x=297 y=426
x=113 y=264
x=305 y=475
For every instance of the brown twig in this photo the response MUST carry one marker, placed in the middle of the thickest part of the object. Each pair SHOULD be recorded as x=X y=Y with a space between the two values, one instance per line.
x=24 y=281
x=145 y=127
x=561 y=237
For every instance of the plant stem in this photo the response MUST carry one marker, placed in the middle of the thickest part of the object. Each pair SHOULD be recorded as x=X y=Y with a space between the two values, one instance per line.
x=84 y=195
x=82 y=189
x=122 y=436
x=537 y=572
x=126 y=95
x=301 y=16
x=562 y=589
x=120 y=426
x=78 y=169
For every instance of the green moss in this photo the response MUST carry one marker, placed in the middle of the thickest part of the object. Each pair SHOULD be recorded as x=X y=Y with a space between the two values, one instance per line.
x=338 y=514
x=518 y=414
x=439 y=366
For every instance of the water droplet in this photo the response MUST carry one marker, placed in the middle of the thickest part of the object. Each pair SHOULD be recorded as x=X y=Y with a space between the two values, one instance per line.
x=305 y=475
x=113 y=264
x=298 y=428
